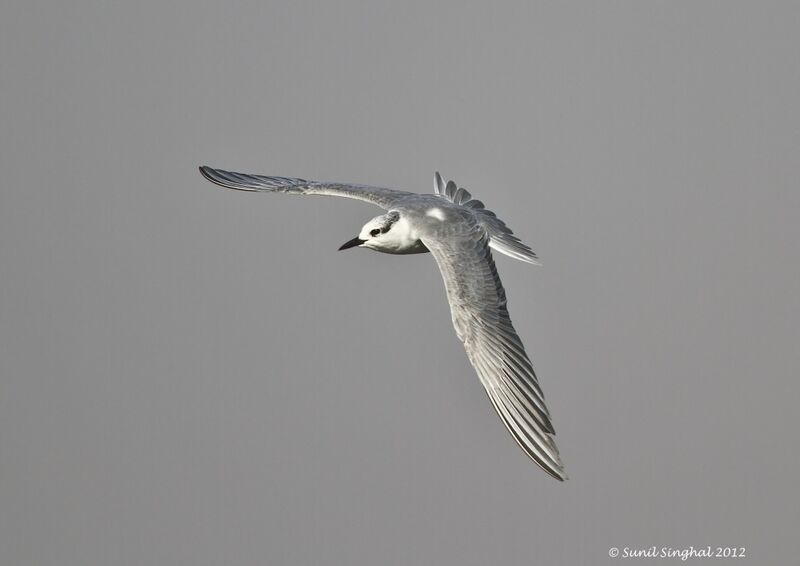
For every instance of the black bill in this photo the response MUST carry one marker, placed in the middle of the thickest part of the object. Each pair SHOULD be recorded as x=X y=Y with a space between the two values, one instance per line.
x=351 y=244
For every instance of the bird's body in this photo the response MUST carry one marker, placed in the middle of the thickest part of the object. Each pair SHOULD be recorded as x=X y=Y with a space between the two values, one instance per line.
x=459 y=232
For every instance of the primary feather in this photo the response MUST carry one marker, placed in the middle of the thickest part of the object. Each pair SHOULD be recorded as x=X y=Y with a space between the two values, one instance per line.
x=501 y=238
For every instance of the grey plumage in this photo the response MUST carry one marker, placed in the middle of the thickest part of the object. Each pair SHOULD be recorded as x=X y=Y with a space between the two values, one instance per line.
x=501 y=238
x=460 y=233
x=262 y=183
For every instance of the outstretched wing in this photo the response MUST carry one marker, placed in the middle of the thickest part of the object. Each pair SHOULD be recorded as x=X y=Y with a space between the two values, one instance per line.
x=501 y=238
x=480 y=317
x=384 y=198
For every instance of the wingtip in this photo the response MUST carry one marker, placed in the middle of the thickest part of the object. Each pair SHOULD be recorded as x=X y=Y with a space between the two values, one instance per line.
x=555 y=469
x=205 y=171
x=215 y=176
x=530 y=260
x=438 y=183
x=558 y=472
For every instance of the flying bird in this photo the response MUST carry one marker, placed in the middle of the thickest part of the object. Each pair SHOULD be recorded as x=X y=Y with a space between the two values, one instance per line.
x=460 y=233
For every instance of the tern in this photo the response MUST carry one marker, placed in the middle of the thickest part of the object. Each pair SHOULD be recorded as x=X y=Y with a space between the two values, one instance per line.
x=460 y=233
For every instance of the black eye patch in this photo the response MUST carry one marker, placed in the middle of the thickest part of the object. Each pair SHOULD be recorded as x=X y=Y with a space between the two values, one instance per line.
x=391 y=218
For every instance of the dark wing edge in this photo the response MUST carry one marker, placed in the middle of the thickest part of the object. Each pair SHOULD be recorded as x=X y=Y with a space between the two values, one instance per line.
x=480 y=316
x=253 y=183
x=384 y=198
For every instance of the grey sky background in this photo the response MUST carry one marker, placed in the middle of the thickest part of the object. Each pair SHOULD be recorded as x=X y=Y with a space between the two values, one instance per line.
x=196 y=376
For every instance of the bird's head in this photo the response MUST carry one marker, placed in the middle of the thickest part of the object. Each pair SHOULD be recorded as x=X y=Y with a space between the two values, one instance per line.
x=383 y=233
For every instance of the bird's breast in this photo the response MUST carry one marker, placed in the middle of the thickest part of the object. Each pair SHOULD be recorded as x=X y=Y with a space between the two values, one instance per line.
x=415 y=247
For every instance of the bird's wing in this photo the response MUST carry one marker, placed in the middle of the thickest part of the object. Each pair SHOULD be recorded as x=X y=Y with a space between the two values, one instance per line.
x=478 y=307
x=384 y=198
x=501 y=238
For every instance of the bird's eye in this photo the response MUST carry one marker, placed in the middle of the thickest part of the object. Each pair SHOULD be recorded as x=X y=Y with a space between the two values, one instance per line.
x=374 y=232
